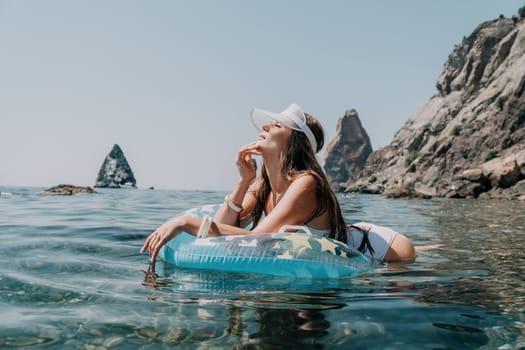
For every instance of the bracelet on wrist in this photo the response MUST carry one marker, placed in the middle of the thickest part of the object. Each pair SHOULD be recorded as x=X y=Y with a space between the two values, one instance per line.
x=205 y=227
x=231 y=205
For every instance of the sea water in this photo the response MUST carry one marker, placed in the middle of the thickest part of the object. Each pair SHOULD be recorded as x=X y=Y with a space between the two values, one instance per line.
x=71 y=276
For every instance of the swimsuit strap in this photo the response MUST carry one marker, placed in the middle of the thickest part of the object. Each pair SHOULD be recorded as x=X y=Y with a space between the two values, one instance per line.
x=365 y=242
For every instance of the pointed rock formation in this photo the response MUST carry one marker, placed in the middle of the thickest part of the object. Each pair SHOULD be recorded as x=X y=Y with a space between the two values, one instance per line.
x=468 y=140
x=347 y=153
x=115 y=171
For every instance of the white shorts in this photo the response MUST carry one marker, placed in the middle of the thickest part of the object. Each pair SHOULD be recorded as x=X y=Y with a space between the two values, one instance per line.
x=380 y=238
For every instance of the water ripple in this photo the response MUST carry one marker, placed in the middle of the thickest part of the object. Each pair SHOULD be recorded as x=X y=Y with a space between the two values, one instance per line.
x=72 y=277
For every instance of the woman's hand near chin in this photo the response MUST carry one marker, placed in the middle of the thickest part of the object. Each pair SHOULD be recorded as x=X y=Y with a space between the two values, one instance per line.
x=244 y=161
x=161 y=236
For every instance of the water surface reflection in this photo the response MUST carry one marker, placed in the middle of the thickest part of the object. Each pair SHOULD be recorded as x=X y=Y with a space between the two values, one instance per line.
x=484 y=248
x=74 y=279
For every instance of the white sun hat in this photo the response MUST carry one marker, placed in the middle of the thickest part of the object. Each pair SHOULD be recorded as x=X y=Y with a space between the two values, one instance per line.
x=292 y=117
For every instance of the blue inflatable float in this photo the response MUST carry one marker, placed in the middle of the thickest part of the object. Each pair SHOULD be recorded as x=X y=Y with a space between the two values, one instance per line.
x=290 y=254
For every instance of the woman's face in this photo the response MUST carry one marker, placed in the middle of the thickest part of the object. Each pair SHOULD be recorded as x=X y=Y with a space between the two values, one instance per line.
x=274 y=138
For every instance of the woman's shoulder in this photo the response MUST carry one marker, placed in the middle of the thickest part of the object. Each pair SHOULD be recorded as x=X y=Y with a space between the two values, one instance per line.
x=306 y=177
x=305 y=180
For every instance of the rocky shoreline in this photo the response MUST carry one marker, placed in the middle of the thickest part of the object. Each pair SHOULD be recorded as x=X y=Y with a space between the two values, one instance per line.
x=468 y=140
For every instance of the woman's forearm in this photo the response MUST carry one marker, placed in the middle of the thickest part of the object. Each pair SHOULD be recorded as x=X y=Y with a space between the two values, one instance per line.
x=172 y=228
x=227 y=215
x=191 y=225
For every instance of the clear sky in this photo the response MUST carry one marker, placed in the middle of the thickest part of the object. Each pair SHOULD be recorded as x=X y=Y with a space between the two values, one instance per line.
x=172 y=82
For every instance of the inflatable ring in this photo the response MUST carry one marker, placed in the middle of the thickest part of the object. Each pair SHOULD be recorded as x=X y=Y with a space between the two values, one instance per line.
x=289 y=254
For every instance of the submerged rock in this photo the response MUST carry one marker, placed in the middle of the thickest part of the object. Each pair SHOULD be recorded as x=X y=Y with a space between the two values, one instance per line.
x=115 y=172
x=66 y=190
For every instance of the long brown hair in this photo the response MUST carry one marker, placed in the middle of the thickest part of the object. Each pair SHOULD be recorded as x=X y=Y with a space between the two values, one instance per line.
x=299 y=158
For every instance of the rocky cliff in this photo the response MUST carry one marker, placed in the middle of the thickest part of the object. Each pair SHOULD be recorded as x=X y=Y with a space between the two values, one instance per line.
x=346 y=154
x=115 y=171
x=468 y=140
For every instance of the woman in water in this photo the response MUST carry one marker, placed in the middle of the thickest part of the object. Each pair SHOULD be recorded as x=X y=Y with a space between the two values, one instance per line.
x=292 y=189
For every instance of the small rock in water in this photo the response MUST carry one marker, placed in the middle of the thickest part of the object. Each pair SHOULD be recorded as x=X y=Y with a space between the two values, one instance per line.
x=111 y=342
x=95 y=331
x=66 y=190
x=147 y=333
x=22 y=341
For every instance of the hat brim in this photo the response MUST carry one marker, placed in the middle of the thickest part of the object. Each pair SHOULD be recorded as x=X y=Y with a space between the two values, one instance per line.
x=261 y=118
